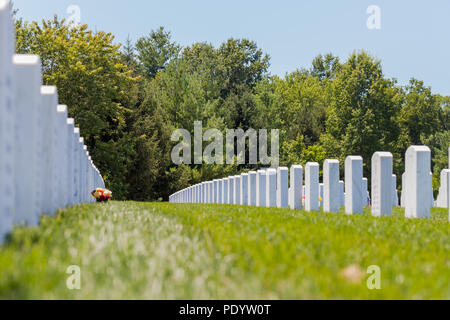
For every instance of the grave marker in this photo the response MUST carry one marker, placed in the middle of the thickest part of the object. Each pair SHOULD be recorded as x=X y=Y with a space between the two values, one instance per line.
x=320 y=194
x=353 y=185
x=394 y=191
x=261 y=188
x=225 y=191
x=442 y=200
x=365 y=192
x=237 y=190
x=312 y=186
x=76 y=160
x=417 y=167
x=70 y=186
x=282 y=187
x=231 y=190
x=220 y=192
x=332 y=189
x=342 y=192
x=244 y=189
x=382 y=184
x=27 y=143
x=296 y=189
x=215 y=191
x=271 y=188
x=403 y=193
x=252 y=188
x=7 y=121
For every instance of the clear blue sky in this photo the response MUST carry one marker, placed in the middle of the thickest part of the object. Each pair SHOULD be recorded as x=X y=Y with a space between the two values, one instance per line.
x=414 y=39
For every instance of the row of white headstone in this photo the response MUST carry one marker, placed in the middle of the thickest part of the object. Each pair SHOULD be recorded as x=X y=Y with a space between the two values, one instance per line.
x=270 y=187
x=44 y=164
x=443 y=199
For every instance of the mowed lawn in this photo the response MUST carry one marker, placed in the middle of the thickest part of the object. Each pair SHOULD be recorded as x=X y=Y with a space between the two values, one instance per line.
x=128 y=250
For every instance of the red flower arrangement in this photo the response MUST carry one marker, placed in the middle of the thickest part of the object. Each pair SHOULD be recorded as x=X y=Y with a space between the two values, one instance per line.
x=102 y=195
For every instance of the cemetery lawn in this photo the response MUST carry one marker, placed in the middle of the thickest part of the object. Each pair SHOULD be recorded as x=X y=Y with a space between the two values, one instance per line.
x=129 y=250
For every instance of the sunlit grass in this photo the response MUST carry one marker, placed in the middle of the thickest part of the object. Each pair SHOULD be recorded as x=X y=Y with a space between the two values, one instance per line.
x=132 y=250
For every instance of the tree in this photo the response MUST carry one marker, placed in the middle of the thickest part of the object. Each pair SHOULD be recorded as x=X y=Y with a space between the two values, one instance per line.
x=155 y=51
x=362 y=117
x=241 y=63
x=325 y=67
x=94 y=84
x=420 y=115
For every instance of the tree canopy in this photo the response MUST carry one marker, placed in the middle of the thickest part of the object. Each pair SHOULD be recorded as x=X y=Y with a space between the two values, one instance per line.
x=127 y=101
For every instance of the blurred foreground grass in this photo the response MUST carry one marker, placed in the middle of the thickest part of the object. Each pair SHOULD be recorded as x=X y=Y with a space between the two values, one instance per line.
x=129 y=250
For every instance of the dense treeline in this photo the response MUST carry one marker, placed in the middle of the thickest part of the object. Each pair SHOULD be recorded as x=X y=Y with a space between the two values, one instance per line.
x=128 y=99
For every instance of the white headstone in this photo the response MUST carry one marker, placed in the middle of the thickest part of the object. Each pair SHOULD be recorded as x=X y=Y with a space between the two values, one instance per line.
x=296 y=188
x=244 y=189
x=211 y=192
x=84 y=163
x=231 y=190
x=353 y=185
x=382 y=184
x=201 y=187
x=70 y=186
x=282 y=187
x=82 y=175
x=7 y=121
x=77 y=172
x=237 y=190
x=225 y=191
x=442 y=200
x=394 y=191
x=304 y=195
x=199 y=193
x=419 y=184
x=332 y=189
x=220 y=192
x=27 y=138
x=271 y=188
x=312 y=186
x=261 y=188
x=342 y=192
x=365 y=192
x=320 y=194
x=252 y=188
x=215 y=191
x=403 y=193
x=204 y=192
x=431 y=191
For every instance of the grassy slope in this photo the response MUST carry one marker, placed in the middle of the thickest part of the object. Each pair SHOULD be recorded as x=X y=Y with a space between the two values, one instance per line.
x=165 y=251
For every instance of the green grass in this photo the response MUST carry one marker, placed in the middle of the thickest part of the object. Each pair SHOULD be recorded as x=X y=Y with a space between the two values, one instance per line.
x=130 y=250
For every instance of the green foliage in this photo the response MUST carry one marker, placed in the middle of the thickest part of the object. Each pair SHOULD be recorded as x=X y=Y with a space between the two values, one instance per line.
x=132 y=250
x=128 y=102
x=86 y=67
x=205 y=84
x=325 y=67
x=362 y=115
x=155 y=51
